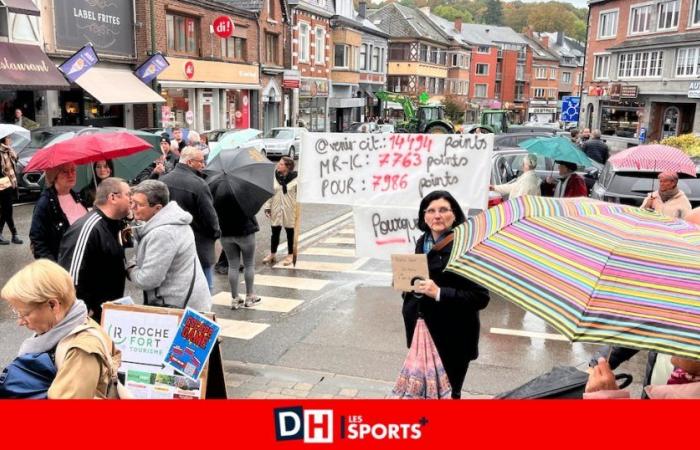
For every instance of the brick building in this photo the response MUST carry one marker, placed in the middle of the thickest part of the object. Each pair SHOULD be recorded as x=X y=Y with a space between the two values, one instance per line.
x=211 y=82
x=544 y=86
x=642 y=61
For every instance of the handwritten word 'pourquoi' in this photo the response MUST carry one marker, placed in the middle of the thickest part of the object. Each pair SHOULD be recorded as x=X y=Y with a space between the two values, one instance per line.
x=385 y=227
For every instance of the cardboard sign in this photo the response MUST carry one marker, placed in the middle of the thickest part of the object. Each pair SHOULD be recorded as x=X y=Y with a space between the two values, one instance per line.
x=144 y=334
x=381 y=231
x=407 y=269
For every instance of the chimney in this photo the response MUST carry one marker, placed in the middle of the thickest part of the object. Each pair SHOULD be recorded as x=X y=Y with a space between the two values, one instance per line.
x=560 y=38
x=545 y=41
x=425 y=10
x=458 y=24
x=362 y=9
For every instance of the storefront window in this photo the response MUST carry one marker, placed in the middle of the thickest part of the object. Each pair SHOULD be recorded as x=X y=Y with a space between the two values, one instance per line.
x=620 y=119
x=312 y=112
x=177 y=102
x=99 y=115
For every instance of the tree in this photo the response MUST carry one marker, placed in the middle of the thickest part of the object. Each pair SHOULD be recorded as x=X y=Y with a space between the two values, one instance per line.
x=454 y=107
x=494 y=12
x=451 y=13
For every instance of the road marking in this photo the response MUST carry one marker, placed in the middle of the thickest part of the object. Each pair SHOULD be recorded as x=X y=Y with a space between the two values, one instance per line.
x=339 y=240
x=321 y=228
x=308 y=284
x=347 y=231
x=319 y=266
x=274 y=304
x=530 y=334
x=370 y=273
x=240 y=329
x=329 y=251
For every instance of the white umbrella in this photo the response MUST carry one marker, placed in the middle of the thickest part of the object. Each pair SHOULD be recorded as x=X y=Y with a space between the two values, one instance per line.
x=20 y=136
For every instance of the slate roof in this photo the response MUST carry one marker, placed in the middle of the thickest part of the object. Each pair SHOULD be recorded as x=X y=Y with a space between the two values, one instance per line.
x=492 y=34
x=449 y=28
x=676 y=40
x=401 y=21
x=248 y=5
x=539 y=51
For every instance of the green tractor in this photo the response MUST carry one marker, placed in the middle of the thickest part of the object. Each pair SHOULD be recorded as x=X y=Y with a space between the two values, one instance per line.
x=428 y=119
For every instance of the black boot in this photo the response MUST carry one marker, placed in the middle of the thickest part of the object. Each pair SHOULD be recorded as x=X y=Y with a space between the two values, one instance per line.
x=4 y=241
x=16 y=239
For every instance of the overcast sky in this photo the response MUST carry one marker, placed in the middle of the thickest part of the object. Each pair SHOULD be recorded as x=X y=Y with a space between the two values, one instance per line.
x=577 y=3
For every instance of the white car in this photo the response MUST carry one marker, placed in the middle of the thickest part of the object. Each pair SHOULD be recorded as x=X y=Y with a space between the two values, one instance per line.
x=283 y=141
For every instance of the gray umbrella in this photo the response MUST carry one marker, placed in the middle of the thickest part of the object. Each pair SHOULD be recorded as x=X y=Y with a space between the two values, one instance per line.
x=249 y=174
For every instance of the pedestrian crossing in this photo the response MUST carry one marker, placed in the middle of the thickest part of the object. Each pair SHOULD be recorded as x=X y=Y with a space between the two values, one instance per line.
x=322 y=258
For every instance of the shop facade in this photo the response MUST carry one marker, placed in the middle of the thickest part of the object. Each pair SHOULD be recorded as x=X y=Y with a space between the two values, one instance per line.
x=313 y=104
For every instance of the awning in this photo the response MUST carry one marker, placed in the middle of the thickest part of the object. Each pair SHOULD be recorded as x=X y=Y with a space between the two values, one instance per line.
x=393 y=105
x=368 y=92
x=27 y=67
x=335 y=102
x=207 y=85
x=117 y=86
x=21 y=7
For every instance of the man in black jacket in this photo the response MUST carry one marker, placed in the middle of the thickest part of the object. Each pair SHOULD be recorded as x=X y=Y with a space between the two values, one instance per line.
x=596 y=149
x=190 y=191
x=164 y=164
x=92 y=250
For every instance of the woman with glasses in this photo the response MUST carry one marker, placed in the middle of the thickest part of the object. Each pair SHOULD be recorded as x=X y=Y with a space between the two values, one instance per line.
x=448 y=303
x=42 y=297
x=57 y=209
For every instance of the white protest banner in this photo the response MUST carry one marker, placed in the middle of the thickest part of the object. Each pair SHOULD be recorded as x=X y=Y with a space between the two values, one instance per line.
x=394 y=169
x=381 y=231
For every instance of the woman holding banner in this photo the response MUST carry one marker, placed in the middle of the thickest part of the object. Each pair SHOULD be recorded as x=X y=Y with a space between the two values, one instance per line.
x=448 y=303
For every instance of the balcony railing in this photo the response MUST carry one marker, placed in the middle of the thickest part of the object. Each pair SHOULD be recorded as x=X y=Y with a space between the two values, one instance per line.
x=499 y=76
x=522 y=77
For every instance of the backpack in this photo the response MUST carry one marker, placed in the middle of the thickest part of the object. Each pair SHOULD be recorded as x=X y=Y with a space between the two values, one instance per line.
x=28 y=376
x=110 y=356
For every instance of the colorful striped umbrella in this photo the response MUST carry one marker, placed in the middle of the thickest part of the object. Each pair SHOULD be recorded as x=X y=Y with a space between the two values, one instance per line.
x=597 y=272
x=654 y=158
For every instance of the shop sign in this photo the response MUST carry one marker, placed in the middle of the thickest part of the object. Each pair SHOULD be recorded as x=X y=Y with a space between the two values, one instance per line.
x=291 y=79
x=109 y=26
x=79 y=63
x=189 y=117
x=543 y=110
x=165 y=114
x=629 y=91
x=223 y=27
x=597 y=91
x=150 y=68
x=189 y=70
x=311 y=87
x=694 y=89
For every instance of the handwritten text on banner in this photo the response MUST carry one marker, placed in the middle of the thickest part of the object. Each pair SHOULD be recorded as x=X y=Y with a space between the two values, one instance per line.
x=394 y=169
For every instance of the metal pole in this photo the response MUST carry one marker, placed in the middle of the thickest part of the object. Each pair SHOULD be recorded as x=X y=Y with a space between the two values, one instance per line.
x=583 y=74
x=154 y=83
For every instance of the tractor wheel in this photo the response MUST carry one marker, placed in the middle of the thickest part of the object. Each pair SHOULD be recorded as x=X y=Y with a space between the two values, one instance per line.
x=437 y=129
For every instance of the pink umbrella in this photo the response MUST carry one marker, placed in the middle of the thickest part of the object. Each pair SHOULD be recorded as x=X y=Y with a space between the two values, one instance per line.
x=654 y=158
x=87 y=148
x=422 y=375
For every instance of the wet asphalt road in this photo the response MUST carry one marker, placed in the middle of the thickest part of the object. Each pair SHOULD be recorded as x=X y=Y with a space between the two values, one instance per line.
x=352 y=326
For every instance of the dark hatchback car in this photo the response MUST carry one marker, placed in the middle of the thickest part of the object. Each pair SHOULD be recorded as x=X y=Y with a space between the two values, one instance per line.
x=630 y=188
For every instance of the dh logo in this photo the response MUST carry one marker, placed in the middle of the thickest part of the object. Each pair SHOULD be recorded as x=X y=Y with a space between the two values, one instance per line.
x=314 y=426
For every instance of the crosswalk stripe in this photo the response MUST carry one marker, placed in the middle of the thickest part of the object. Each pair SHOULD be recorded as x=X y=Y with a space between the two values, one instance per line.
x=240 y=329
x=339 y=240
x=530 y=334
x=273 y=304
x=347 y=231
x=329 y=251
x=308 y=284
x=319 y=266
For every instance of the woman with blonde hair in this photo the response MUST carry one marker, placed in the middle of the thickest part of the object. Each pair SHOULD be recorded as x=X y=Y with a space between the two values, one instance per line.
x=57 y=209
x=42 y=297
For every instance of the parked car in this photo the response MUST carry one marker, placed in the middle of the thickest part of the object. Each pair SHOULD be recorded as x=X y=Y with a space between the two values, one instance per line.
x=506 y=163
x=283 y=141
x=512 y=140
x=29 y=183
x=630 y=188
x=238 y=138
x=370 y=127
x=214 y=135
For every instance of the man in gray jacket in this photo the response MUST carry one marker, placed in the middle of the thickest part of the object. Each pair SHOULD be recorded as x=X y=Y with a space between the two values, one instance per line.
x=166 y=266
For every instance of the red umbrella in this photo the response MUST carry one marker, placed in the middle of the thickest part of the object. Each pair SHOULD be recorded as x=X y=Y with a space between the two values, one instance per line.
x=654 y=158
x=422 y=375
x=86 y=149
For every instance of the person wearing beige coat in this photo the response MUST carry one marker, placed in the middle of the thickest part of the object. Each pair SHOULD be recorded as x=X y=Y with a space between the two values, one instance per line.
x=281 y=209
x=668 y=200
x=526 y=184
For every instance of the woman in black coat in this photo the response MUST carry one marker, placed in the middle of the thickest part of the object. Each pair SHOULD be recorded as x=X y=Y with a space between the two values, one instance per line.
x=448 y=303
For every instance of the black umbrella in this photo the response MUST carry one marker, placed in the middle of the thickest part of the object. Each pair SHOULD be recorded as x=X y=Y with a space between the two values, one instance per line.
x=249 y=174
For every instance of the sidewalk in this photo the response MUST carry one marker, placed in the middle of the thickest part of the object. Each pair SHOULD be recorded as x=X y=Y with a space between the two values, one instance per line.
x=260 y=381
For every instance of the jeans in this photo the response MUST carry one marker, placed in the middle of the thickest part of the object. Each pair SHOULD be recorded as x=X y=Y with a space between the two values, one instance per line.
x=209 y=275
x=234 y=246
x=276 y=239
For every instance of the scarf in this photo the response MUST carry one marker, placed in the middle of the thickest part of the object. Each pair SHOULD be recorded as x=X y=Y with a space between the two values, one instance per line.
x=284 y=179
x=8 y=157
x=429 y=243
x=48 y=341
x=680 y=376
x=668 y=195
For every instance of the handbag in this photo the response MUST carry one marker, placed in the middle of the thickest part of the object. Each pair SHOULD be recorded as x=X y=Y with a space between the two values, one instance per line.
x=28 y=376
x=5 y=183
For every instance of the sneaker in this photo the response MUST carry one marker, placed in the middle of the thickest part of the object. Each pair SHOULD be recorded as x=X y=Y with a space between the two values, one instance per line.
x=4 y=241
x=252 y=301
x=236 y=303
x=16 y=239
x=269 y=259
